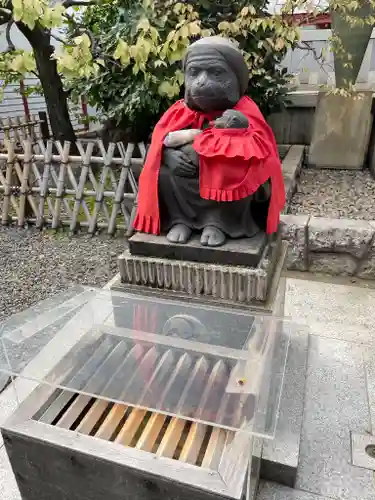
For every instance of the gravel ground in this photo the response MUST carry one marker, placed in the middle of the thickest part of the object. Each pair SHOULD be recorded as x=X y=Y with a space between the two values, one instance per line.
x=35 y=265
x=335 y=193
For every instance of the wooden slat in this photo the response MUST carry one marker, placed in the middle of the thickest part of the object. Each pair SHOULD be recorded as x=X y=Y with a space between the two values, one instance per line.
x=151 y=432
x=111 y=422
x=92 y=416
x=193 y=443
x=127 y=433
x=171 y=438
x=215 y=449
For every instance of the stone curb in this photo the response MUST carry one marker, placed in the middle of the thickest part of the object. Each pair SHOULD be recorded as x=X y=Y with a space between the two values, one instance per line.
x=339 y=247
x=291 y=167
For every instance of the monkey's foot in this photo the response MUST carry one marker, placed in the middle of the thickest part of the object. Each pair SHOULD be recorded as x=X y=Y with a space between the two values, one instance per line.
x=179 y=234
x=212 y=237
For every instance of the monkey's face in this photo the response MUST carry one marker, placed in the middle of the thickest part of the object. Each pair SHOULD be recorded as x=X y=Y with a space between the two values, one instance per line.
x=210 y=85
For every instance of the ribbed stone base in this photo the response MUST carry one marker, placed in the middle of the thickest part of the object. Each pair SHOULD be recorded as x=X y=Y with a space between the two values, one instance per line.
x=230 y=283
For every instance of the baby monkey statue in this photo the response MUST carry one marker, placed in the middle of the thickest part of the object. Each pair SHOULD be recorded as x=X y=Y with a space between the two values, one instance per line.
x=213 y=164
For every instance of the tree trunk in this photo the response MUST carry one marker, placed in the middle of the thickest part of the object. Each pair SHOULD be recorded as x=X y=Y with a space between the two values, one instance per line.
x=54 y=94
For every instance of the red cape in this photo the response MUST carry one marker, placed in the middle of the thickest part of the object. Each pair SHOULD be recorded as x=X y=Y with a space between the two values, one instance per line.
x=233 y=163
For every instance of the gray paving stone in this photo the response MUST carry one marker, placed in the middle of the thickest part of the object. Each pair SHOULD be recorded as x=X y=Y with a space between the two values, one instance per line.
x=8 y=485
x=334 y=311
x=335 y=405
x=369 y=362
x=273 y=491
x=359 y=456
x=8 y=403
x=281 y=455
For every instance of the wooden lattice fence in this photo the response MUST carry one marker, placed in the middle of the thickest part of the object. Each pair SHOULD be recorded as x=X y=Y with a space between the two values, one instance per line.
x=53 y=184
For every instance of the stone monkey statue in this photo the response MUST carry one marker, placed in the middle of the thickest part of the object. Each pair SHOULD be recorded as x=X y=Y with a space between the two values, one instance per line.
x=213 y=164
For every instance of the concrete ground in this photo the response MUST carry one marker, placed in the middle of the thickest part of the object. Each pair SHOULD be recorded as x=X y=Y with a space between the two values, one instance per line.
x=339 y=399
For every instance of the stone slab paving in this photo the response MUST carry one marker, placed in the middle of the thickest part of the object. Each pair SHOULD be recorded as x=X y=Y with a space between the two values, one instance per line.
x=8 y=485
x=339 y=397
x=273 y=491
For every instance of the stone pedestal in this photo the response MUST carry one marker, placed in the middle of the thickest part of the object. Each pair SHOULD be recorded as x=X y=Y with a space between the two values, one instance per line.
x=242 y=272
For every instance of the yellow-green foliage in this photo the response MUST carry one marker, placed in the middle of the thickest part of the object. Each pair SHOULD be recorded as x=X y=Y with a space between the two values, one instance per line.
x=147 y=52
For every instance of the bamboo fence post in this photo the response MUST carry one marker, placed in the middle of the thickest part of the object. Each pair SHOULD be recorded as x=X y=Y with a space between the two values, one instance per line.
x=44 y=184
x=60 y=185
x=6 y=127
x=8 y=182
x=24 y=185
x=130 y=230
x=18 y=130
x=119 y=194
x=81 y=185
x=101 y=185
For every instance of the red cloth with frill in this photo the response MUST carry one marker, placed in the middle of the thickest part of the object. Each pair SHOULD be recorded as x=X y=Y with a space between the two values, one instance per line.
x=233 y=163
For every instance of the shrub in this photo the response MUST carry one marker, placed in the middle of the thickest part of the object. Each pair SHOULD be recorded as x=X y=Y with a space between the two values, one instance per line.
x=132 y=71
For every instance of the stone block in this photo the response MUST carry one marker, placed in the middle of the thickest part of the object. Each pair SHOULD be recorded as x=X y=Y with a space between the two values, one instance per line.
x=290 y=187
x=294 y=230
x=335 y=405
x=241 y=252
x=332 y=263
x=366 y=268
x=291 y=168
x=340 y=235
x=292 y=163
x=281 y=456
x=341 y=131
x=360 y=457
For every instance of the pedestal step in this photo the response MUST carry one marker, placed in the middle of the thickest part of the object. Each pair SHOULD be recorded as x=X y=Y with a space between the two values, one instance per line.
x=235 y=284
x=246 y=252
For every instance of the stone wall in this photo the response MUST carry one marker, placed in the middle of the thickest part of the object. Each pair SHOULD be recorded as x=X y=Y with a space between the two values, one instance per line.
x=340 y=247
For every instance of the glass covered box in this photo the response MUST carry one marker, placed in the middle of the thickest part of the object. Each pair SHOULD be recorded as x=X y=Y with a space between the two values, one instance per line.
x=130 y=396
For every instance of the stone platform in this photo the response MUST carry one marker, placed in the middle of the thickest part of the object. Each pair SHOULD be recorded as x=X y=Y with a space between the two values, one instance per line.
x=242 y=252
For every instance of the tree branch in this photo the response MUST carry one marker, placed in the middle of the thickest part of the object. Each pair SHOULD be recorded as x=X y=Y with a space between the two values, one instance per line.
x=58 y=38
x=11 y=47
x=78 y=3
x=5 y=15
